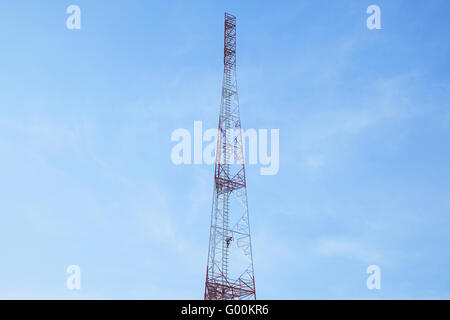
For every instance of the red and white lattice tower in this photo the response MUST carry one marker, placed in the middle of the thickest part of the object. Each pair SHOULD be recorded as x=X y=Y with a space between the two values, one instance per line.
x=229 y=274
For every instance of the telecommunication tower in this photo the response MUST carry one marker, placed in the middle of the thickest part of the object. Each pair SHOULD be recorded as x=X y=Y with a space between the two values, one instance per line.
x=229 y=273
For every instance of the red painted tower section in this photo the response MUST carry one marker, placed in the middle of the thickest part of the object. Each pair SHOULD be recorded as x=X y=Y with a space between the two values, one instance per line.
x=229 y=274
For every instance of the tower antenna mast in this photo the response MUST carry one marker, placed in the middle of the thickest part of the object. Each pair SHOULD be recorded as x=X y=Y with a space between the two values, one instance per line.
x=229 y=274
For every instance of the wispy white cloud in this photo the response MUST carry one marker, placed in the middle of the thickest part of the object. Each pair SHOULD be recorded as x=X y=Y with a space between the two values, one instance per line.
x=325 y=133
x=349 y=249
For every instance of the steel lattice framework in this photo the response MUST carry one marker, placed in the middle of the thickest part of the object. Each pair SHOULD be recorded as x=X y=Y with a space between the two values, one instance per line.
x=229 y=274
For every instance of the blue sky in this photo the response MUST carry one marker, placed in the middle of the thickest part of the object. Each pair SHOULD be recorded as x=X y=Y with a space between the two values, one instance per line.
x=85 y=123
